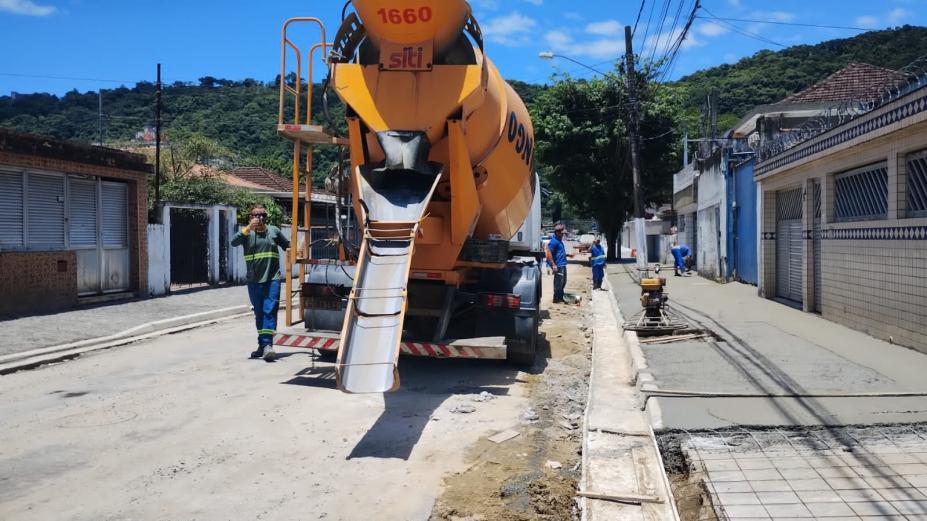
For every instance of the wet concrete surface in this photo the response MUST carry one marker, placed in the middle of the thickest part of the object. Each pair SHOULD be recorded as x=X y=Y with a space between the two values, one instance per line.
x=766 y=348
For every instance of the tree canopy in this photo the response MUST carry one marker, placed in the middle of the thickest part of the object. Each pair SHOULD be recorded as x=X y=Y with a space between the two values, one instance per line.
x=583 y=145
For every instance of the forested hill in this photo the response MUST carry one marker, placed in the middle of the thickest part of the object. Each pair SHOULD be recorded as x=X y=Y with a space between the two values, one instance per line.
x=241 y=115
x=768 y=76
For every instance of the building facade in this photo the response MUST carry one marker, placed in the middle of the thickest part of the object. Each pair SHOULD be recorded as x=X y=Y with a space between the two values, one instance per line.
x=75 y=223
x=844 y=222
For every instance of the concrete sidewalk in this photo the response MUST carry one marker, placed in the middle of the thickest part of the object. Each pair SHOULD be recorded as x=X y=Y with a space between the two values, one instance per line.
x=42 y=331
x=770 y=365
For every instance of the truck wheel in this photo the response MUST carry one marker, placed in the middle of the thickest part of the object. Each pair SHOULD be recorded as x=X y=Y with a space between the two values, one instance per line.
x=522 y=351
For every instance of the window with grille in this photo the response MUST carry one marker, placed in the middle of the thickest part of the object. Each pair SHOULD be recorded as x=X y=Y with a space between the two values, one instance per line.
x=917 y=184
x=861 y=194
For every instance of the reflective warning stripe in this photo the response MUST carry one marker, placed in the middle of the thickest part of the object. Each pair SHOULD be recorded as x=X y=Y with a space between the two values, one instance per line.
x=266 y=331
x=423 y=349
x=262 y=255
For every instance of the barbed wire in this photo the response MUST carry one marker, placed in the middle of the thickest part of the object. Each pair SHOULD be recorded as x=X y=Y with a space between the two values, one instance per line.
x=911 y=77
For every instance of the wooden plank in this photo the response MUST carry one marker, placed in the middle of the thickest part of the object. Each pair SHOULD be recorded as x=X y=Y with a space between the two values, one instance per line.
x=631 y=499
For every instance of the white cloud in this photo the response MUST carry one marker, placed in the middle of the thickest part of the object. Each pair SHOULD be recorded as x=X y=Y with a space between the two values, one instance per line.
x=893 y=17
x=897 y=15
x=659 y=44
x=535 y=2
x=605 y=28
x=600 y=48
x=773 y=16
x=734 y=3
x=558 y=40
x=573 y=15
x=867 y=21
x=26 y=7
x=710 y=29
x=512 y=30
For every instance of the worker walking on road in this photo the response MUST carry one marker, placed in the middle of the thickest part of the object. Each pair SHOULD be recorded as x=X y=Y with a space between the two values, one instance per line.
x=597 y=259
x=262 y=258
x=683 y=257
x=557 y=257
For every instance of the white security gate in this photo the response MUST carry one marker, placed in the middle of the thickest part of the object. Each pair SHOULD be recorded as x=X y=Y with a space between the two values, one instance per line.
x=789 y=245
x=816 y=243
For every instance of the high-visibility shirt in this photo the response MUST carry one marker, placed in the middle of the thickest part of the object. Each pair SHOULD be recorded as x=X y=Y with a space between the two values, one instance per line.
x=597 y=255
x=262 y=257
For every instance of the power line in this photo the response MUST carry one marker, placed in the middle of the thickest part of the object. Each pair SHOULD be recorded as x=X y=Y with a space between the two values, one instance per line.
x=718 y=21
x=796 y=24
x=639 y=13
x=71 y=78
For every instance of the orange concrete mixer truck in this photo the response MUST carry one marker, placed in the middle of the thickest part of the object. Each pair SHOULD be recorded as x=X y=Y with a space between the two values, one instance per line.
x=442 y=185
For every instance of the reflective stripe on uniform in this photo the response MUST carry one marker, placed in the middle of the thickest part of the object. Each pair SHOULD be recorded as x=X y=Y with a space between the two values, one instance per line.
x=266 y=331
x=600 y=257
x=262 y=255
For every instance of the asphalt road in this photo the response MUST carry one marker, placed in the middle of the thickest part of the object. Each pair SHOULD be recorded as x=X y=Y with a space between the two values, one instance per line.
x=186 y=427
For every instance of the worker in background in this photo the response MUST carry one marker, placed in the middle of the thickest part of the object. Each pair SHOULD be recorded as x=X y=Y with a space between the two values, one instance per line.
x=597 y=260
x=262 y=258
x=683 y=257
x=557 y=258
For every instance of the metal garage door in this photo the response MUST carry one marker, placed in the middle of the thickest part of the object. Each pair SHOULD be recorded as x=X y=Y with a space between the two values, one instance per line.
x=83 y=233
x=789 y=242
x=114 y=231
x=98 y=232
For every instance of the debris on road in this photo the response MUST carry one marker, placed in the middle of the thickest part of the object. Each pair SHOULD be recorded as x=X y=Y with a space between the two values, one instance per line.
x=463 y=409
x=530 y=416
x=503 y=436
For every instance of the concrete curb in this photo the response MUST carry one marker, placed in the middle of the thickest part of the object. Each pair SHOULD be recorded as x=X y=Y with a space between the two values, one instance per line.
x=36 y=357
x=620 y=454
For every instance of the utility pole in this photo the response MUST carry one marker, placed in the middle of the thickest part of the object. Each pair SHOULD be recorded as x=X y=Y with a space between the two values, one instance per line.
x=635 y=150
x=158 y=137
x=100 y=110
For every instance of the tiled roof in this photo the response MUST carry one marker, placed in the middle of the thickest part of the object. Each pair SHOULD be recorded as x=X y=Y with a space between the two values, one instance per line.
x=257 y=176
x=855 y=81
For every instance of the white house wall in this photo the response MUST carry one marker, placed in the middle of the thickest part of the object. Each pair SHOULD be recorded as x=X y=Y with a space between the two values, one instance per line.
x=711 y=255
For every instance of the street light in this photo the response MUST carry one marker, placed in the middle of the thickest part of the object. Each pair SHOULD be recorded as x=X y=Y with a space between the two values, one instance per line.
x=548 y=55
x=634 y=133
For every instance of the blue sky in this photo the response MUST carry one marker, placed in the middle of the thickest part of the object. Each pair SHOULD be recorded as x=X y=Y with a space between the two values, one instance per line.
x=121 y=41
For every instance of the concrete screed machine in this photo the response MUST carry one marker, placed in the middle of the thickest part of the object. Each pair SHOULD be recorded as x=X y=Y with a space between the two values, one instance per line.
x=441 y=182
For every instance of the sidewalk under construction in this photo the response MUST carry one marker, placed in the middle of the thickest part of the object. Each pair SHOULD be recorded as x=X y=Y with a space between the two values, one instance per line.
x=771 y=413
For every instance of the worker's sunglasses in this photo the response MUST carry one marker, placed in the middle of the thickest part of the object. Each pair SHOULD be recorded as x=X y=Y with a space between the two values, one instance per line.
x=260 y=216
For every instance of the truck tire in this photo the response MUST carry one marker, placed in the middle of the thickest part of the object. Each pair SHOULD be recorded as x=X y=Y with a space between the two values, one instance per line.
x=522 y=350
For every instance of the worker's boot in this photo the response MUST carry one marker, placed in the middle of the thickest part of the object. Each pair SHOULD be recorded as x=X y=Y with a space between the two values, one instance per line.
x=258 y=353
x=269 y=354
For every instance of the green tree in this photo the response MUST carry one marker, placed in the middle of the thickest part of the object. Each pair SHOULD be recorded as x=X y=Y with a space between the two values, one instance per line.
x=583 y=146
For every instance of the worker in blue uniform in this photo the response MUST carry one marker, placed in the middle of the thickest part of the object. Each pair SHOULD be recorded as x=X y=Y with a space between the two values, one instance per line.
x=597 y=259
x=557 y=257
x=683 y=257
